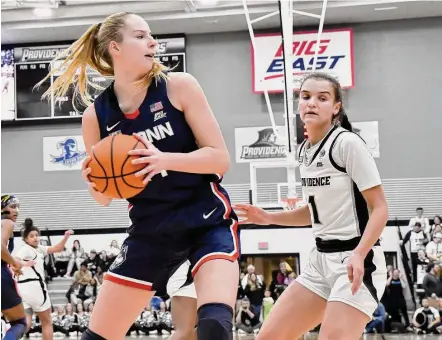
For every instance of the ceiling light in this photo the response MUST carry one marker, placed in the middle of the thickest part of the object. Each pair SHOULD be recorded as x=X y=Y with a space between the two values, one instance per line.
x=385 y=8
x=43 y=12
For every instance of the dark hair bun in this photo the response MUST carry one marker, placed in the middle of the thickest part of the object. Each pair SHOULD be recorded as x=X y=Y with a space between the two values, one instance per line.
x=29 y=223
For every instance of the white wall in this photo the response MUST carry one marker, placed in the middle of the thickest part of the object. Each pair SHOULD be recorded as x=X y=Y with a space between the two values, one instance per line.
x=300 y=241
x=280 y=241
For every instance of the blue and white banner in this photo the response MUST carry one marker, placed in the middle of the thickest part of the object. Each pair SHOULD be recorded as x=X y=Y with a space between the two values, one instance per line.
x=63 y=153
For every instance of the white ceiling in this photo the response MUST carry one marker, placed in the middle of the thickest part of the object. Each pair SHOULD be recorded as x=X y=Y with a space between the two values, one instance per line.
x=72 y=17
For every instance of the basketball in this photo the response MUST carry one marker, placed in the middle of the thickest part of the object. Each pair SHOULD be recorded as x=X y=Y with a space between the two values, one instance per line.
x=112 y=170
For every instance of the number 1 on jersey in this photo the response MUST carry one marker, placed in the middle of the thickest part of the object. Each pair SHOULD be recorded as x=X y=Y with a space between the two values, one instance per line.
x=311 y=201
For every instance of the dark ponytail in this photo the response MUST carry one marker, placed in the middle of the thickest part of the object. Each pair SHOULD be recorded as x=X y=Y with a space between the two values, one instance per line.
x=28 y=227
x=341 y=118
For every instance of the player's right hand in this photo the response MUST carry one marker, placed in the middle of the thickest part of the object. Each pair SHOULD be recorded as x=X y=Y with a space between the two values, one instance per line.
x=249 y=214
x=85 y=171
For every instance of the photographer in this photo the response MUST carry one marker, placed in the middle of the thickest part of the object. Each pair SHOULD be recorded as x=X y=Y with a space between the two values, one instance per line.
x=246 y=321
x=426 y=319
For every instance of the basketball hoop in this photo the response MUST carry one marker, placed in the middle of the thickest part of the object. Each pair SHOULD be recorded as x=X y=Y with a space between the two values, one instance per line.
x=289 y=203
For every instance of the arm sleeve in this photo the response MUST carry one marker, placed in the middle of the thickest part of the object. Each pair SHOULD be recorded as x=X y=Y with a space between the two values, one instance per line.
x=351 y=153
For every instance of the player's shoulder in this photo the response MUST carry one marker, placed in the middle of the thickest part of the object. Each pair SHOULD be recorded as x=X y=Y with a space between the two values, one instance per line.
x=7 y=223
x=348 y=139
x=181 y=80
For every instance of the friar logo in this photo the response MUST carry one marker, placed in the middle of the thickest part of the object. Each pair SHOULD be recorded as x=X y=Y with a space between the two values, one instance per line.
x=264 y=147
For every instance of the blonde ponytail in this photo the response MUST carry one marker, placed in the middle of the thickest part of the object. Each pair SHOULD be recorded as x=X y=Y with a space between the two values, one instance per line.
x=72 y=67
x=91 y=51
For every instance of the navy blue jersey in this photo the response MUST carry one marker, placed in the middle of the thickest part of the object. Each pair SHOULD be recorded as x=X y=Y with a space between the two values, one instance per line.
x=10 y=243
x=167 y=201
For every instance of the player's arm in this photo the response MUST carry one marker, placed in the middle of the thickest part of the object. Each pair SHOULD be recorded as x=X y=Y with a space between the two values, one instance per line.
x=60 y=245
x=250 y=214
x=212 y=156
x=361 y=167
x=7 y=232
x=91 y=136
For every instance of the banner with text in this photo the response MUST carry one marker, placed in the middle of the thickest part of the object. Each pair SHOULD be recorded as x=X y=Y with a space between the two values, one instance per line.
x=335 y=57
x=259 y=144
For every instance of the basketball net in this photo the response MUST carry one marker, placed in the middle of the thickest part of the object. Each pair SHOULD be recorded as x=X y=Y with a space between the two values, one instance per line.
x=290 y=203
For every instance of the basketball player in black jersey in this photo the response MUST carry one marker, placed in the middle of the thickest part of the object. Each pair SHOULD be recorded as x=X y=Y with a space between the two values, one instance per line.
x=346 y=275
x=183 y=213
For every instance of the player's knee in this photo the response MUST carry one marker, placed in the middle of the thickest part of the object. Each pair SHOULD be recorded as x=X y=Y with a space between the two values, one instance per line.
x=215 y=322
x=17 y=329
x=90 y=335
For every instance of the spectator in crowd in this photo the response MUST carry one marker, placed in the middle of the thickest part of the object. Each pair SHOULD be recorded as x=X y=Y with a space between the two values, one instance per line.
x=290 y=279
x=69 y=320
x=58 y=320
x=376 y=325
x=61 y=260
x=90 y=293
x=81 y=319
x=426 y=319
x=284 y=271
x=396 y=305
x=82 y=276
x=431 y=283
x=113 y=250
x=417 y=239
x=255 y=293
x=105 y=261
x=267 y=304
x=419 y=218
x=240 y=293
x=434 y=248
x=246 y=277
x=77 y=258
x=92 y=261
x=436 y=227
x=246 y=322
x=422 y=257
x=422 y=262
x=99 y=275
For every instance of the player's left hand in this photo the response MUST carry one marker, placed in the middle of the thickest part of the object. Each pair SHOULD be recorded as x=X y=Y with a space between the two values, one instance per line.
x=355 y=271
x=151 y=156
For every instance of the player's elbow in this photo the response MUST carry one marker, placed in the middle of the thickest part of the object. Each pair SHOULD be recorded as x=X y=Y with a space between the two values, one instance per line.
x=223 y=162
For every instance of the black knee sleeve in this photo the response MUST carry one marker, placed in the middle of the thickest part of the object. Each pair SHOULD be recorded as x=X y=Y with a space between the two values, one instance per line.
x=89 y=335
x=215 y=322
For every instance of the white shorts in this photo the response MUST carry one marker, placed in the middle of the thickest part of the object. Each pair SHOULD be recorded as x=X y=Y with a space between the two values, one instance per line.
x=178 y=279
x=34 y=296
x=326 y=276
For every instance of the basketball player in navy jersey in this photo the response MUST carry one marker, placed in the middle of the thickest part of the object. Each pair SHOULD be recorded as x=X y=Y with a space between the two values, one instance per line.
x=346 y=275
x=183 y=213
x=12 y=307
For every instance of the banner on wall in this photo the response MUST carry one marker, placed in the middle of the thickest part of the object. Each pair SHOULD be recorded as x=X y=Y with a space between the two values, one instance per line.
x=7 y=84
x=63 y=153
x=369 y=131
x=33 y=63
x=259 y=144
x=335 y=57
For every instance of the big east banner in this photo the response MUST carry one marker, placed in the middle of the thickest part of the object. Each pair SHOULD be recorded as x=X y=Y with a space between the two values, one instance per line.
x=335 y=57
